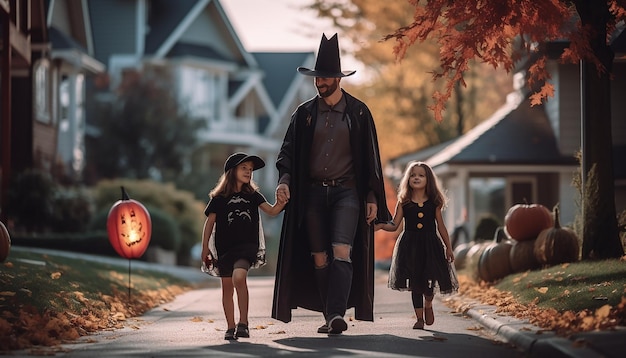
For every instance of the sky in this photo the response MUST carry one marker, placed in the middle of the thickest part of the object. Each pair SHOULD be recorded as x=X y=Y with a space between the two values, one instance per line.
x=280 y=25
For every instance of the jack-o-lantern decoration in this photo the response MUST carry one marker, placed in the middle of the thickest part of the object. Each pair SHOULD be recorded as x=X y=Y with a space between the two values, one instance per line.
x=525 y=221
x=5 y=242
x=129 y=227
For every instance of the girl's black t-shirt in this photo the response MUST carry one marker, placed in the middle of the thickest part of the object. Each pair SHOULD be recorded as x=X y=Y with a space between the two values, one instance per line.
x=236 y=221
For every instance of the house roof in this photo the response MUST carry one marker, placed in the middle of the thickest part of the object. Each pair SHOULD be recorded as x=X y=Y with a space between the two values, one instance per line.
x=181 y=49
x=513 y=135
x=61 y=41
x=66 y=48
x=207 y=14
x=279 y=69
x=165 y=16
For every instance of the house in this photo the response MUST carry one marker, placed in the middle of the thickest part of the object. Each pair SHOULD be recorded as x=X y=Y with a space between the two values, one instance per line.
x=524 y=153
x=246 y=99
x=46 y=53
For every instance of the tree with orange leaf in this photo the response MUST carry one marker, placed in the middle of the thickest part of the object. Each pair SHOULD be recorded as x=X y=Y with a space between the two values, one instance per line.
x=487 y=30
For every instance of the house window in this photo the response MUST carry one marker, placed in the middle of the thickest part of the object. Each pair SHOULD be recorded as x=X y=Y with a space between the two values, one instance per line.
x=64 y=104
x=493 y=196
x=487 y=198
x=42 y=91
x=198 y=92
x=521 y=190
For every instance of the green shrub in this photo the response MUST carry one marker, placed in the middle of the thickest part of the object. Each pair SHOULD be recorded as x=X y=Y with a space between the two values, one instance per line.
x=30 y=201
x=165 y=230
x=90 y=242
x=73 y=209
x=37 y=204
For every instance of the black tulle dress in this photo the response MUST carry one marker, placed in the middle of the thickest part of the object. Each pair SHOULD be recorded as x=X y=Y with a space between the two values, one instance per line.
x=419 y=259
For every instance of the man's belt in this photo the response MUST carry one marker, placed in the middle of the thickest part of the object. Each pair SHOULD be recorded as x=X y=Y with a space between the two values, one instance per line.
x=333 y=183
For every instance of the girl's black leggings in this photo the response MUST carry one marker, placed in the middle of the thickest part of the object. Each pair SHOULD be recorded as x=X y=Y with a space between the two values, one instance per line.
x=417 y=296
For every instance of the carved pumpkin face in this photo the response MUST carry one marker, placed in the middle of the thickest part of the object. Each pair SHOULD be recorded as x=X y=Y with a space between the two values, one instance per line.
x=129 y=227
x=5 y=242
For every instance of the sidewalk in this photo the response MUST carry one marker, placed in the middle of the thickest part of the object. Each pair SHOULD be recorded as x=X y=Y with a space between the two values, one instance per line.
x=530 y=339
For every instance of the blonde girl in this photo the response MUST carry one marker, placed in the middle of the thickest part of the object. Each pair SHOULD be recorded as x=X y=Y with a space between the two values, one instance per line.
x=422 y=257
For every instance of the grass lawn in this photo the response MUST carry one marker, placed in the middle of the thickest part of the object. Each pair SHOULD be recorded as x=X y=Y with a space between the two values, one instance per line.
x=46 y=300
x=576 y=287
x=566 y=298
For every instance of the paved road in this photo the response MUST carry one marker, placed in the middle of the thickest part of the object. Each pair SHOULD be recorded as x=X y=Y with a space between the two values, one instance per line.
x=193 y=326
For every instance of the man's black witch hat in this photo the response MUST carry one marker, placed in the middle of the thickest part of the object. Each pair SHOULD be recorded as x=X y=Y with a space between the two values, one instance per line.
x=328 y=63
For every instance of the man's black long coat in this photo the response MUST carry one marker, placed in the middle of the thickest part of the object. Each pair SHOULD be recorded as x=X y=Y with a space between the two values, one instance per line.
x=295 y=284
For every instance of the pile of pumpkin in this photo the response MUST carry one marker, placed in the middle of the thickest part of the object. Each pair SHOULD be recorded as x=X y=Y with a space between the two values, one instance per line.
x=534 y=239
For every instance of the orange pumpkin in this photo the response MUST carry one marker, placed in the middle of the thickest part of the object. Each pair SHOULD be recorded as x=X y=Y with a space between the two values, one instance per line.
x=557 y=245
x=5 y=242
x=129 y=227
x=525 y=221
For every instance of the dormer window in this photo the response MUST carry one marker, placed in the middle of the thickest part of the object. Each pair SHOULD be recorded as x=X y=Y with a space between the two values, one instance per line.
x=198 y=92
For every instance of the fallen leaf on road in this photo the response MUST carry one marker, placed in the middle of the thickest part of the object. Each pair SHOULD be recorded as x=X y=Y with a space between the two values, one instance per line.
x=197 y=319
x=278 y=332
x=474 y=328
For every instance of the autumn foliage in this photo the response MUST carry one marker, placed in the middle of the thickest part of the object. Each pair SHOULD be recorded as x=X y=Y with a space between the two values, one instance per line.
x=549 y=319
x=463 y=33
x=42 y=307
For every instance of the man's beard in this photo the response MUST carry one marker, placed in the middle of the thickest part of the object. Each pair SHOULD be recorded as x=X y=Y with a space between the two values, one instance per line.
x=329 y=89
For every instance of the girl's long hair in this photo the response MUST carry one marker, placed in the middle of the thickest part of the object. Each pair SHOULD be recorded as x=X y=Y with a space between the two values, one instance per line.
x=433 y=191
x=226 y=185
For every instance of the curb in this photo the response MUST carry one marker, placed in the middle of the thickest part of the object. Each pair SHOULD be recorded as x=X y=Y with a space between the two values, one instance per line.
x=525 y=336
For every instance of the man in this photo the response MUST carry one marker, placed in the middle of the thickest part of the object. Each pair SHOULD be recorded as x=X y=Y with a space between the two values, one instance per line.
x=330 y=171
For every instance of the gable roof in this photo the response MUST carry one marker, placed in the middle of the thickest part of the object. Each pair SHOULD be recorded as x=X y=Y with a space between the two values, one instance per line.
x=207 y=52
x=61 y=41
x=513 y=135
x=165 y=16
x=169 y=33
x=279 y=69
x=66 y=48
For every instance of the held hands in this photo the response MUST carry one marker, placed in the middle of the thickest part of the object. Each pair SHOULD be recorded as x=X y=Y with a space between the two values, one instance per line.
x=282 y=194
x=371 y=212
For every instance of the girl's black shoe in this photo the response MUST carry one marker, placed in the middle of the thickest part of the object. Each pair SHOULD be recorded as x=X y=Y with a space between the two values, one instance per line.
x=230 y=334
x=242 y=331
